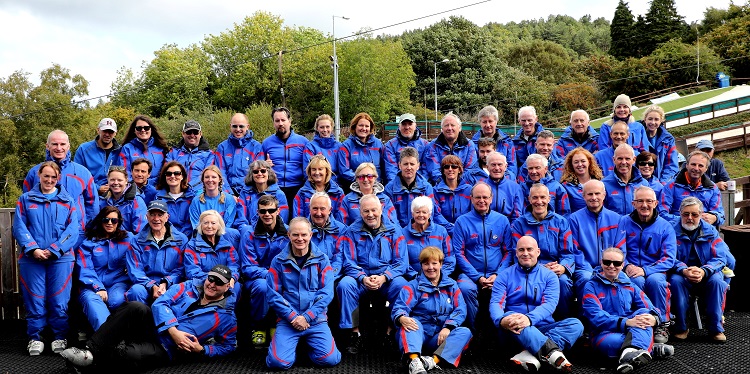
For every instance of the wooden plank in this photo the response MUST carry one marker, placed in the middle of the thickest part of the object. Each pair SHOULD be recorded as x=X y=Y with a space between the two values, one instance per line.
x=742 y=204
x=9 y=298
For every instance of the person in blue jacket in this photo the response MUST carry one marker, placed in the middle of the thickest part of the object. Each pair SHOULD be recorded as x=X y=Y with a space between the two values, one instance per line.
x=453 y=191
x=127 y=198
x=593 y=229
x=154 y=259
x=300 y=287
x=537 y=168
x=606 y=156
x=193 y=152
x=323 y=143
x=651 y=252
x=213 y=198
x=259 y=244
x=174 y=190
x=431 y=322
x=422 y=232
x=507 y=195
x=621 y=316
x=408 y=134
x=320 y=178
x=661 y=143
x=140 y=170
x=362 y=146
x=578 y=134
x=580 y=167
x=76 y=179
x=100 y=265
x=646 y=162
x=638 y=139
x=482 y=241
x=234 y=155
x=545 y=146
x=716 y=171
x=621 y=184
x=46 y=226
x=283 y=150
x=261 y=181
x=526 y=137
x=374 y=261
x=552 y=233
x=366 y=184
x=326 y=230
x=211 y=247
x=488 y=117
x=99 y=154
x=701 y=256
x=524 y=297
x=451 y=141
x=192 y=319
x=143 y=139
x=407 y=186
x=692 y=181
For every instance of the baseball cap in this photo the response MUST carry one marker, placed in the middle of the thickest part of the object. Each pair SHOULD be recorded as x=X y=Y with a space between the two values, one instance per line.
x=407 y=116
x=222 y=272
x=704 y=143
x=107 y=124
x=158 y=205
x=191 y=125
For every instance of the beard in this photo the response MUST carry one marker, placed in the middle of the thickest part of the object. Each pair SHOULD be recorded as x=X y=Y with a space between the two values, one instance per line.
x=690 y=227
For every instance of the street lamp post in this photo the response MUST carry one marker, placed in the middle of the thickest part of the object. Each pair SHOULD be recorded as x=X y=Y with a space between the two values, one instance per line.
x=436 y=107
x=337 y=125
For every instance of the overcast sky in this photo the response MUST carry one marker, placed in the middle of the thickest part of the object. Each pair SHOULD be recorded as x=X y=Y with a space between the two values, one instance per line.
x=96 y=38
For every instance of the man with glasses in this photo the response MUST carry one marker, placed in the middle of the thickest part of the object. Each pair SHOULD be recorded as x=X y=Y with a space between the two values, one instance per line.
x=284 y=150
x=192 y=319
x=621 y=315
x=701 y=256
x=692 y=181
x=525 y=139
x=650 y=243
x=259 y=245
x=193 y=152
x=235 y=154
x=623 y=182
x=507 y=195
x=101 y=153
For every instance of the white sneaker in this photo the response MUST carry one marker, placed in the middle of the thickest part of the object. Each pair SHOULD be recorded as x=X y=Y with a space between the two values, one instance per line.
x=527 y=361
x=59 y=345
x=416 y=367
x=429 y=363
x=35 y=347
x=78 y=357
x=558 y=361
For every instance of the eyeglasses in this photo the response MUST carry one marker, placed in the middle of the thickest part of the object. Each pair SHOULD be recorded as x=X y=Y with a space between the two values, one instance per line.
x=192 y=132
x=171 y=173
x=644 y=201
x=611 y=262
x=259 y=171
x=268 y=211
x=366 y=176
x=646 y=163
x=107 y=220
x=215 y=280
x=143 y=128
x=238 y=126
x=688 y=215
x=450 y=166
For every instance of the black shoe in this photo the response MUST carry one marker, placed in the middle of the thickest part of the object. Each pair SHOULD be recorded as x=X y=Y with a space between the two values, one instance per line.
x=355 y=343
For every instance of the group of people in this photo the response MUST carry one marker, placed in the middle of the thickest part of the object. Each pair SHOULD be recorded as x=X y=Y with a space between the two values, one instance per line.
x=176 y=252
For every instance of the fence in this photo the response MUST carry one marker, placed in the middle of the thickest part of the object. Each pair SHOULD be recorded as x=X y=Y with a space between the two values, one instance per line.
x=708 y=111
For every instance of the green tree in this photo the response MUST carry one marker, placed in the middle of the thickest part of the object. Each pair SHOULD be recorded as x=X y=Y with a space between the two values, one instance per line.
x=680 y=62
x=731 y=42
x=543 y=59
x=621 y=32
x=663 y=24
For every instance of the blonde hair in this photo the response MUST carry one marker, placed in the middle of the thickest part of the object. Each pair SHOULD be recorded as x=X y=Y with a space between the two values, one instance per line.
x=222 y=195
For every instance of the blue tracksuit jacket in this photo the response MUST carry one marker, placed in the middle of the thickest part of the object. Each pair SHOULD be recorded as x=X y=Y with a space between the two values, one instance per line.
x=525 y=147
x=592 y=233
x=101 y=263
x=453 y=203
x=249 y=197
x=355 y=152
x=620 y=193
x=135 y=149
x=663 y=146
x=679 y=188
x=553 y=235
x=325 y=239
x=567 y=142
x=132 y=207
x=179 y=210
x=230 y=210
x=260 y=247
x=393 y=148
x=437 y=149
x=328 y=147
x=150 y=264
x=194 y=160
x=96 y=159
x=301 y=204
x=533 y=292
x=505 y=147
x=199 y=258
x=234 y=156
x=638 y=139
x=381 y=253
x=482 y=244
x=435 y=236
x=287 y=158
x=402 y=197
x=559 y=200
x=349 y=208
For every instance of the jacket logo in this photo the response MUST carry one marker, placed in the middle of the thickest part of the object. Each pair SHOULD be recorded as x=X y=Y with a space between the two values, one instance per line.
x=474 y=236
x=33 y=206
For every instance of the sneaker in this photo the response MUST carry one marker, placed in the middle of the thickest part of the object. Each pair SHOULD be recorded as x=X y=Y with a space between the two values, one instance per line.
x=662 y=350
x=35 y=347
x=661 y=335
x=78 y=357
x=428 y=362
x=557 y=359
x=59 y=345
x=416 y=367
x=527 y=361
x=355 y=343
x=728 y=273
x=719 y=337
x=681 y=335
x=83 y=336
x=635 y=358
x=258 y=338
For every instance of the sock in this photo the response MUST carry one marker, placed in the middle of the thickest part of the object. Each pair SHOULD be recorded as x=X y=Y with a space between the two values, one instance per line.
x=436 y=359
x=413 y=356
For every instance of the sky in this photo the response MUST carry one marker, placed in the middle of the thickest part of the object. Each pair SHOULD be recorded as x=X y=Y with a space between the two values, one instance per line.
x=97 y=38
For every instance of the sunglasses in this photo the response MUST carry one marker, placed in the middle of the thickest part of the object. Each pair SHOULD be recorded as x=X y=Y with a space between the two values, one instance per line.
x=108 y=220
x=259 y=171
x=215 y=280
x=645 y=163
x=611 y=262
x=171 y=173
x=192 y=132
x=688 y=214
x=143 y=128
x=238 y=126
x=268 y=211
x=366 y=176
x=450 y=166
